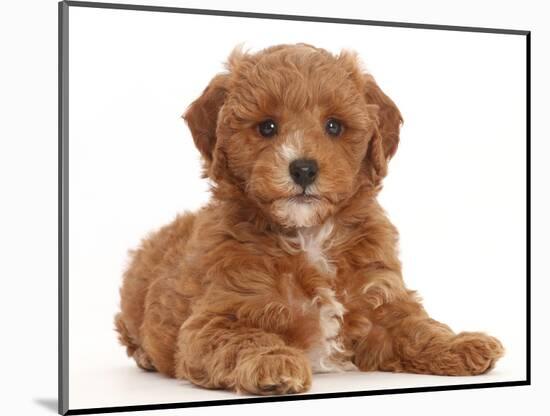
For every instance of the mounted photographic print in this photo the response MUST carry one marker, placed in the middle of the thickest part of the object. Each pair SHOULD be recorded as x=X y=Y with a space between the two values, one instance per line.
x=261 y=207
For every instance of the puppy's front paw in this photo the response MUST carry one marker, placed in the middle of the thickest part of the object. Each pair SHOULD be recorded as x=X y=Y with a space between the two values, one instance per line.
x=476 y=352
x=273 y=370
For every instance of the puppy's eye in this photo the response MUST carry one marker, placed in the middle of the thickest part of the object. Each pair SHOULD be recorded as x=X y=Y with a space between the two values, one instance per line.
x=267 y=128
x=333 y=127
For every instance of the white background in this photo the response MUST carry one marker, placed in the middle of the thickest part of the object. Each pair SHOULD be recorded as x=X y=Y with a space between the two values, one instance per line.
x=29 y=240
x=456 y=189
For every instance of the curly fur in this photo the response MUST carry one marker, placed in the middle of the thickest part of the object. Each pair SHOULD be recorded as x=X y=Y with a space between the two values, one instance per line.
x=260 y=288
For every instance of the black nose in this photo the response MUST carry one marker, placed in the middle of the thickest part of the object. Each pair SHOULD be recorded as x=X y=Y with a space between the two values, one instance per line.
x=303 y=171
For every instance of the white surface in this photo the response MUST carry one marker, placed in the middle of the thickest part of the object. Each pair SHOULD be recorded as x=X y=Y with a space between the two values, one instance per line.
x=28 y=168
x=119 y=385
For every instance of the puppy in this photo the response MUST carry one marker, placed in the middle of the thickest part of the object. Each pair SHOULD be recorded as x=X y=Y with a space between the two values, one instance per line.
x=292 y=267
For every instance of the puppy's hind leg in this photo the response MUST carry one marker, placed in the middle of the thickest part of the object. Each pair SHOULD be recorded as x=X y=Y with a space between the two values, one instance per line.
x=144 y=290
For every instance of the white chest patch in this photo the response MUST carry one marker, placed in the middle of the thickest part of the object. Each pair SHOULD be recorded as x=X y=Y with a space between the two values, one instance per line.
x=327 y=354
x=324 y=355
x=314 y=241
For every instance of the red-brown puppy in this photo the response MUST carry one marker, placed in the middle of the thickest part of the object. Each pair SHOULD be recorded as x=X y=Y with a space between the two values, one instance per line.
x=292 y=267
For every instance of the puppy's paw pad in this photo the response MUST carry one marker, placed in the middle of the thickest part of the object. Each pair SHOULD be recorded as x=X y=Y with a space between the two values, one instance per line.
x=282 y=385
x=143 y=361
x=274 y=370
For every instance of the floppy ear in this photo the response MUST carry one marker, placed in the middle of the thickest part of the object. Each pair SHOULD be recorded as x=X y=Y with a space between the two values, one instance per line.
x=385 y=140
x=202 y=116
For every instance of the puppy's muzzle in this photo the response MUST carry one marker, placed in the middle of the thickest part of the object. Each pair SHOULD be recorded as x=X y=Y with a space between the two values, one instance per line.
x=303 y=171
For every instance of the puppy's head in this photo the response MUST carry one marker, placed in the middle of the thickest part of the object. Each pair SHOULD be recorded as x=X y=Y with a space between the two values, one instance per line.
x=297 y=130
